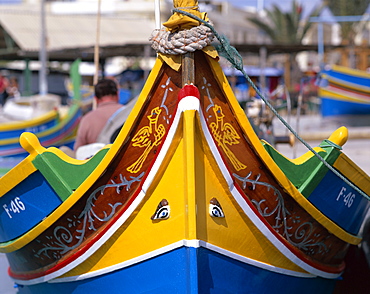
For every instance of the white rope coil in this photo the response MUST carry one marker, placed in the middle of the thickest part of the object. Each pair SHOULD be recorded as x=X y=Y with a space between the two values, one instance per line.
x=181 y=42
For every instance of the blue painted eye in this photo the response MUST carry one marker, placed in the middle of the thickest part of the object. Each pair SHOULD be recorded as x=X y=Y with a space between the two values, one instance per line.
x=162 y=211
x=215 y=209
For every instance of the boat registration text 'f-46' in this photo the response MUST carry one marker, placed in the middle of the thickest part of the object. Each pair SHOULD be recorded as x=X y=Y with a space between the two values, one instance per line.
x=347 y=199
x=16 y=206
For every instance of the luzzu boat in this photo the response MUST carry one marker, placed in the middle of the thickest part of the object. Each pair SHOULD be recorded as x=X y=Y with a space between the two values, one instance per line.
x=344 y=91
x=186 y=200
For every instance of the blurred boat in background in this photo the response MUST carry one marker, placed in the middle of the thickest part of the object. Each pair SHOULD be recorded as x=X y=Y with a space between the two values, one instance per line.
x=344 y=91
x=43 y=115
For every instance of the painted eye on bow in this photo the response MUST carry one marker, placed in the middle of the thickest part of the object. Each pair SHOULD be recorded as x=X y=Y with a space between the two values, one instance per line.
x=215 y=209
x=163 y=211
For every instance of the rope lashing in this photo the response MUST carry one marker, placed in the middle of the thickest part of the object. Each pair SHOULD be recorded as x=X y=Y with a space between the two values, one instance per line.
x=181 y=42
x=233 y=56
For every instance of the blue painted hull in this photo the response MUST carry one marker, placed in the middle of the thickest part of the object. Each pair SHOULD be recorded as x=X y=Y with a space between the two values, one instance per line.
x=188 y=270
x=341 y=203
x=332 y=107
x=35 y=129
x=25 y=206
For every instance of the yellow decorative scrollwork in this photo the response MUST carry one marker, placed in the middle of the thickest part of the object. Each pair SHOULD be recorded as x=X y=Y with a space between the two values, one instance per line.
x=225 y=134
x=147 y=137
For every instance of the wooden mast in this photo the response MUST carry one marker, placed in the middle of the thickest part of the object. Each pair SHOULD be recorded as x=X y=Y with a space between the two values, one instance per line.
x=188 y=70
x=43 y=85
x=96 y=50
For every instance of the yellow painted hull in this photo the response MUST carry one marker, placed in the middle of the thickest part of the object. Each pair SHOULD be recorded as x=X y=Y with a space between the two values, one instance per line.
x=198 y=180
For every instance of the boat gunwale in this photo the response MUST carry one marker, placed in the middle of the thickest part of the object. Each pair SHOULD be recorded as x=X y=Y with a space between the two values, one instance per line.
x=334 y=95
x=72 y=115
x=350 y=86
x=274 y=168
x=350 y=71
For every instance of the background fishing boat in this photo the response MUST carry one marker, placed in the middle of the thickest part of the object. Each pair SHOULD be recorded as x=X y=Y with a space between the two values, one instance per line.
x=32 y=113
x=344 y=91
x=186 y=186
x=53 y=123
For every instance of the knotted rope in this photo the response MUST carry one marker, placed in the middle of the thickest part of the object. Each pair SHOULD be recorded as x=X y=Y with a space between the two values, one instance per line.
x=181 y=42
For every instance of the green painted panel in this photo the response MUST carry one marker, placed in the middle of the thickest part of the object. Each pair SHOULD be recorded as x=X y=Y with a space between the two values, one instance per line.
x=307 y=175
x=63 y=176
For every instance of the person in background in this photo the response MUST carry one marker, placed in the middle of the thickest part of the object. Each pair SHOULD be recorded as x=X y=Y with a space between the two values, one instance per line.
x=92 y=123
x=4 y=84
x=13 y=88
x=124 y=95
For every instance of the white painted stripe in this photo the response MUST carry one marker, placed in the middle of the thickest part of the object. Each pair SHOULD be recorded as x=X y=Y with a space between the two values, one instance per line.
x=253 y=217
x=190 y=103
x=179 y=244
x=216 y=154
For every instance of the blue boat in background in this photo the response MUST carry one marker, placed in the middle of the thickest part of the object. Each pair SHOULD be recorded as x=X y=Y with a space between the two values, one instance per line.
x=344 y=91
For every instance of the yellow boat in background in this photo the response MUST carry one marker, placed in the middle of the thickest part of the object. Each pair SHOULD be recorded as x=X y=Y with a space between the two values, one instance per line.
x=344 y=91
